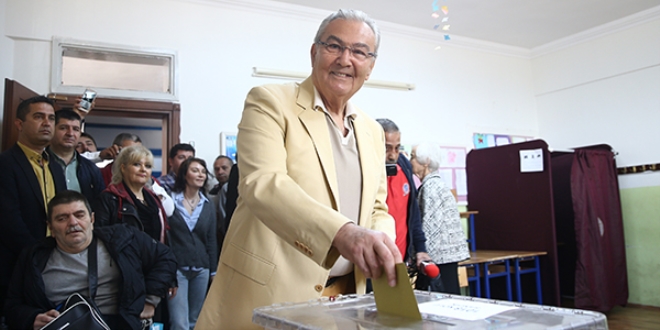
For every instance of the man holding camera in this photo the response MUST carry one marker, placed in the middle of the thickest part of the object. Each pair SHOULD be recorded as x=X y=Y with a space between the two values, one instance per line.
x=402 y=198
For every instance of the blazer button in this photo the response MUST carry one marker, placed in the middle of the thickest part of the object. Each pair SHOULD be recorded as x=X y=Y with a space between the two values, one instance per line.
x=318 y=288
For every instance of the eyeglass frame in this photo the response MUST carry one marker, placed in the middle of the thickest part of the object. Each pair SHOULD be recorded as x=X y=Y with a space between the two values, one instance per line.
x=369 y=55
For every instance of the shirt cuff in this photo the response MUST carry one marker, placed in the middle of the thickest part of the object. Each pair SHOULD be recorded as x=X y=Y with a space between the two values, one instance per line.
x=151 y=299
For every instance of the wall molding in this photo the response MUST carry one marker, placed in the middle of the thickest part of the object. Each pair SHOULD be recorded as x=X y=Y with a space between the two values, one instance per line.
x=437 y=37
x=317 y=15
x=619 y=25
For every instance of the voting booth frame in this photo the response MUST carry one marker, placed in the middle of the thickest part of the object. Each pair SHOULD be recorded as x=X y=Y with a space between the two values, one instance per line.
x=570 y=208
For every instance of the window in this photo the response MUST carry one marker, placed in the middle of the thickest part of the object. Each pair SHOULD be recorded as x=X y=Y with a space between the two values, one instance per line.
x=113 y=71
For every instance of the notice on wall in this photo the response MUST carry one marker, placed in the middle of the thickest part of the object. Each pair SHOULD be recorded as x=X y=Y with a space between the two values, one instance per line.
x=531 y=160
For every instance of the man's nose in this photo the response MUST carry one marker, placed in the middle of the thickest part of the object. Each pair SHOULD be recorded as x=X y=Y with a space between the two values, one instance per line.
x=73 y=221
x=345 y=57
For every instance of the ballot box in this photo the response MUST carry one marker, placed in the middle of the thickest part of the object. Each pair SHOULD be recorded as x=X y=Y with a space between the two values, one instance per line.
x=439 y=311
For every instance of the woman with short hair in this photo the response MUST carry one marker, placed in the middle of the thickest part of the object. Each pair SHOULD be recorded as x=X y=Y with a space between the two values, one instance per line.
x=192 y=238
x=445 y=238
x=128 y=198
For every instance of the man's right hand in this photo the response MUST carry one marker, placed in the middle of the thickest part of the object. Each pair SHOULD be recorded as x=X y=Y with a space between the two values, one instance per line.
x=110 y=152
x=373 y=252
x=43 y=319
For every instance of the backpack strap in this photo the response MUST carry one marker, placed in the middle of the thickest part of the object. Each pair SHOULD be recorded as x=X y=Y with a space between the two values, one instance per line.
x=92 y=268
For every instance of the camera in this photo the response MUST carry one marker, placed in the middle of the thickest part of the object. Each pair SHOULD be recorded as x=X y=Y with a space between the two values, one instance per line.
x=391 y=169
x=87 y=100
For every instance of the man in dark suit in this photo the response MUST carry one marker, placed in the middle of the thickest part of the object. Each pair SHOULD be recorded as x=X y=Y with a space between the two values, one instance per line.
x=28 y=180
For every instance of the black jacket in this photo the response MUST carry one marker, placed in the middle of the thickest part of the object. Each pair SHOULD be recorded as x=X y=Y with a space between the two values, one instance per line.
x=89 y=177
x=198 y=248
x=416 y=237
x=115 y=205
x=22 y=207
x=146 y=266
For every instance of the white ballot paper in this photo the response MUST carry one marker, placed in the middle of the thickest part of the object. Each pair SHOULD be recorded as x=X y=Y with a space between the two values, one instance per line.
x=462 y=309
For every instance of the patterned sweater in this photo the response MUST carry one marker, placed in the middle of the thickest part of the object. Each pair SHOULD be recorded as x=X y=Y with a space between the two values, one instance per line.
x=445 y=238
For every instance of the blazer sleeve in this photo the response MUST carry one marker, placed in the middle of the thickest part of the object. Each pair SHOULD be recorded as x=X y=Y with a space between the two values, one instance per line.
x=381 y=220
x=211 y=235
x=271 y=195
x=14 y=232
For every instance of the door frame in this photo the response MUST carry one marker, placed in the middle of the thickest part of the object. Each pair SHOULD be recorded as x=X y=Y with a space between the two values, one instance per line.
x=168 y=112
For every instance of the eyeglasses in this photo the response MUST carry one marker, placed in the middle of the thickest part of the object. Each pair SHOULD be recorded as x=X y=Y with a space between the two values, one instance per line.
x=358 y=53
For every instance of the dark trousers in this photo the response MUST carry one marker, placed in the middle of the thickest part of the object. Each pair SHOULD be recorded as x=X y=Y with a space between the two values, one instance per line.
x=447 y=282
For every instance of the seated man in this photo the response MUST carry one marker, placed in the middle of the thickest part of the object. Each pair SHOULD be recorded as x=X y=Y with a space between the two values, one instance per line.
x=134 y=271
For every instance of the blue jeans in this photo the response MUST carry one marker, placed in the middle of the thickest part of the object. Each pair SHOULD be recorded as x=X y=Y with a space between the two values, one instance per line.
x=184 y=308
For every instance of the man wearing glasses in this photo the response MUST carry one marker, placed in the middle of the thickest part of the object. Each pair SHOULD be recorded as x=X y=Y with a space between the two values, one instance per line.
x=311 y=218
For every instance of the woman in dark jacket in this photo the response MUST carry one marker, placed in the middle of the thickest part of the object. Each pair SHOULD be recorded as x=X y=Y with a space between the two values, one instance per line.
x=192 y=238
x=128 y=199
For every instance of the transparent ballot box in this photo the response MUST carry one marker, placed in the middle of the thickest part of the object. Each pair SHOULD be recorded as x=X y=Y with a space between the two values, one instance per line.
x=439 y=311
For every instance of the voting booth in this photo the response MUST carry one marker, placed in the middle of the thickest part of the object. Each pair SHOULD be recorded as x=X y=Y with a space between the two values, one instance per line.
x=439 y=311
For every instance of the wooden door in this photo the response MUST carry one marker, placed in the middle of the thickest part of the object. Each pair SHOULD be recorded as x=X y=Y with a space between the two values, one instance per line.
x=168 y=112
x=15 y=93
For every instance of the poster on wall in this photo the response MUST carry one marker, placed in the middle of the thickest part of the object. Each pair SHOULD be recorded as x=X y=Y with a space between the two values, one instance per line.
x=228 y=144
x=485 y=140
x=452 y=170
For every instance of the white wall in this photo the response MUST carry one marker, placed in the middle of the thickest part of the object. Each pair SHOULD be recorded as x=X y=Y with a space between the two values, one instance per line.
x=6 y=53
x=459 y=91
x=605 y=91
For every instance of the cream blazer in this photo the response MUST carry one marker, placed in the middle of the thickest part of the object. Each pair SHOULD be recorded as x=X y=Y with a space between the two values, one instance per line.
x=279 y=244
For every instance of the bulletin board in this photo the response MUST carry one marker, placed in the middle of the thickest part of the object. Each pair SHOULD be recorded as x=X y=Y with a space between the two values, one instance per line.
x=452 y=170
x=487 y=140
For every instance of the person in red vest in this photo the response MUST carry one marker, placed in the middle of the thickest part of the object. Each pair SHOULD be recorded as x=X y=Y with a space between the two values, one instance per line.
x=402 y=199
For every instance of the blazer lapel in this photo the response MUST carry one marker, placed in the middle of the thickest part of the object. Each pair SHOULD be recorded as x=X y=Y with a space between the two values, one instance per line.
x=317 y=128
x=28 y=172
x=365 y=149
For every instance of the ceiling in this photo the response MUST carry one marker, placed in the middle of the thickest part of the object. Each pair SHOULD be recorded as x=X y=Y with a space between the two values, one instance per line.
x=521 y=23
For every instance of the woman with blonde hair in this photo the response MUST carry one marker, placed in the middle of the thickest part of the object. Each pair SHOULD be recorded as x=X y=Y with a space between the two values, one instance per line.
x=445 y=238
x=128 y=198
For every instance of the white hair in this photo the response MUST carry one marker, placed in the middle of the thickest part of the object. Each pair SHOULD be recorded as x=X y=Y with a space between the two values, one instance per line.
x=429 y=154
x=349 y=15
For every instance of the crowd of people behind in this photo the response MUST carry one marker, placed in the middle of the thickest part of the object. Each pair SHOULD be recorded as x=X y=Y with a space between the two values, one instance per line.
x=183 y=210
x=317 y=214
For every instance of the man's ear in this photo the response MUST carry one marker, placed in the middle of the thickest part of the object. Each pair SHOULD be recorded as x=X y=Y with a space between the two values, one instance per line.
x=19 y=124
x=91 y=218
x=371 y=68
x=312 y=53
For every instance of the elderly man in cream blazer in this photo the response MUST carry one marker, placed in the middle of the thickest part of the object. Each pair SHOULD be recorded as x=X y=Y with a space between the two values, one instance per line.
x=312 y=185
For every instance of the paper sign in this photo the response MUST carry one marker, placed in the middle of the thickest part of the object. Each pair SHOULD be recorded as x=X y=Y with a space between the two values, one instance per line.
x=398 y=300
x=531 y=160
x=462 y=309
x=461 y=182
